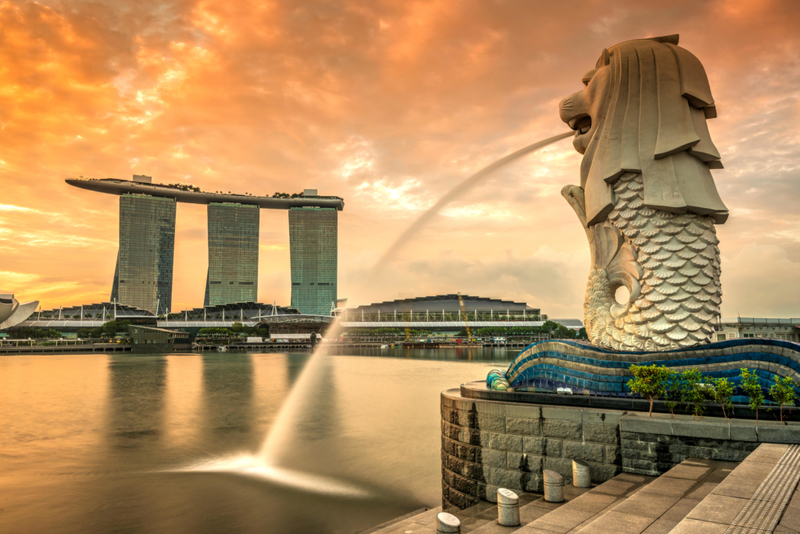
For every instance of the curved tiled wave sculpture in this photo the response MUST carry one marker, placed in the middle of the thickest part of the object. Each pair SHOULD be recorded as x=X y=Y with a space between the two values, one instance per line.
x=548 y=365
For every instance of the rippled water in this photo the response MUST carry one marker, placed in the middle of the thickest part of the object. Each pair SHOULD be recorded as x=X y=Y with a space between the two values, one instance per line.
x=97 y=443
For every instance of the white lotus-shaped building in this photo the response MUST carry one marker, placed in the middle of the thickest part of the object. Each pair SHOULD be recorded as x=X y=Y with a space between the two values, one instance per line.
x=12 y=312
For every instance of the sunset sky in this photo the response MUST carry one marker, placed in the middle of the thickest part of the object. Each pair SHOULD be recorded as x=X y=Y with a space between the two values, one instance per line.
x=389 y=105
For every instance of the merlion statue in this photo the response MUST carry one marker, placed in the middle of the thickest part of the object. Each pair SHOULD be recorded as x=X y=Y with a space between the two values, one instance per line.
x=647 y=199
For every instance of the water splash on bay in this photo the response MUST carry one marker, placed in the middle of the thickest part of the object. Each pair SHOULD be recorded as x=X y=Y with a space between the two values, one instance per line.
x=255 y=467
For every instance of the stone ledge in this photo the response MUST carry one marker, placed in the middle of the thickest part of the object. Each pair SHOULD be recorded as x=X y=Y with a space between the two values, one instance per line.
x=488 y=444
x=712 y=428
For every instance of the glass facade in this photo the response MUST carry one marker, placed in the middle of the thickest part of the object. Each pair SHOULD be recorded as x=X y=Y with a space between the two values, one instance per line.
x=143 y=276
x=313 y=234
x=232 y=254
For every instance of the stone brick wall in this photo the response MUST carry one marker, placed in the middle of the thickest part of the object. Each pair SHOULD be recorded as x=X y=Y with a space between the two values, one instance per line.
x=490 y=444
x=654 y=454
x=653 y=445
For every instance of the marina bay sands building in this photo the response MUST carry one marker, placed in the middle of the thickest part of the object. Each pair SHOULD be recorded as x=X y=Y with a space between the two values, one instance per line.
x=232 y=254
x=143 y=275
x=313 y=244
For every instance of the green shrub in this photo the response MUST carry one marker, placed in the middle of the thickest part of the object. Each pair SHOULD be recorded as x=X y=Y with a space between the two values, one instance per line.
x=650 y=382
x=723 y=394
x=693 y=392
x=752 y=387
x=782 y=392
x=672 y=396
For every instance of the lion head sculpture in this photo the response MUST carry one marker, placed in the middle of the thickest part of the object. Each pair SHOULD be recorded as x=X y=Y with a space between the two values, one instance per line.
x=643 y=110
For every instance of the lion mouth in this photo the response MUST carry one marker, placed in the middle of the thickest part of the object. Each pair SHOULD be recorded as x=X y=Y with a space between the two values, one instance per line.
x=581 y=124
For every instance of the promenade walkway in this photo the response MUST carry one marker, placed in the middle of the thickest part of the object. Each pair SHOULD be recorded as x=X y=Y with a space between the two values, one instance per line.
x=757 y=496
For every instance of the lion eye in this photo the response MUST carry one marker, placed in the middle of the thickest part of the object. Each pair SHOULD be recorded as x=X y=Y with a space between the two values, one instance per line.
x=588 y=77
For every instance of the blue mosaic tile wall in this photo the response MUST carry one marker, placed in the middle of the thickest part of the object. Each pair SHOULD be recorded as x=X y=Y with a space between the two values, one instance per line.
x=547 y=365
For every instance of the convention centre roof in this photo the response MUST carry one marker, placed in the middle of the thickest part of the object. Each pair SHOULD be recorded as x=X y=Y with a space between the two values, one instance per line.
x=447 y=303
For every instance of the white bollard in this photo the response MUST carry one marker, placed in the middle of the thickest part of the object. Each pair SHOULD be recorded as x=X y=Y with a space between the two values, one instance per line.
x=447 y=524
x=553 y=486
x=581 y=477
x=507 y=508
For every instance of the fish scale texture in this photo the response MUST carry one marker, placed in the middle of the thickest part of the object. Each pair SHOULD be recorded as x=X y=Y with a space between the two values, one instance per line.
x=680 y=291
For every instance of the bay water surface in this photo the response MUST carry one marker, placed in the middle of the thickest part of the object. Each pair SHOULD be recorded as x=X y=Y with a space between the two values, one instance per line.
x=102 y=443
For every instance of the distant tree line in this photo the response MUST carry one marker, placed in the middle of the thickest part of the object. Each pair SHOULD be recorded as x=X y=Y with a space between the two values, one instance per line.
x=236 y=329
x=549 y=328
x=34 y=333
x=385 y=332
x=109 y=329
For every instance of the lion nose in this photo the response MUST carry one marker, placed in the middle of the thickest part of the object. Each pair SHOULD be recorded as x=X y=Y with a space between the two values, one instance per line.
x=571 y=107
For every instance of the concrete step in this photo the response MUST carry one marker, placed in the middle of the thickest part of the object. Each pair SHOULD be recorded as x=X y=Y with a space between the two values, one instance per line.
x=583 y=509
x=626 y=504
x=663 y=503
x=476 y=518
x=419 y=522
x=531 y=507
x=760 y=496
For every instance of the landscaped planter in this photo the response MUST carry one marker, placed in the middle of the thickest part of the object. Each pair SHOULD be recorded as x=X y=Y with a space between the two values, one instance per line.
x=478 y=390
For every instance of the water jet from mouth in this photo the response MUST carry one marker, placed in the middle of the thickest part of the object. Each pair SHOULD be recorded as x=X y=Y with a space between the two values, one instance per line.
x=455 y=193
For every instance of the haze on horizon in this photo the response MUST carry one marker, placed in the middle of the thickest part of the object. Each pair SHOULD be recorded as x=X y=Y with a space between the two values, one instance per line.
x=388 y=105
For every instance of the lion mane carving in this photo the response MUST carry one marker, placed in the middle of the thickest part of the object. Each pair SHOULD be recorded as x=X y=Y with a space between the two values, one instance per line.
x=647 y=200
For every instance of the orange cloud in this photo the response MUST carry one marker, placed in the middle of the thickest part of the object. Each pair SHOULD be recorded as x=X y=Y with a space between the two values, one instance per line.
x=386 y=104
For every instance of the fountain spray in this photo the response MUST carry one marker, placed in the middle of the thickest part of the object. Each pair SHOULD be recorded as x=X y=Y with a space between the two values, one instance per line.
x=280 y=435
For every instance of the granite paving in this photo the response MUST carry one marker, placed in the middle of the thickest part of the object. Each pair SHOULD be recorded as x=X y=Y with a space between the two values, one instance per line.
x=757 y=496
x=760 y=496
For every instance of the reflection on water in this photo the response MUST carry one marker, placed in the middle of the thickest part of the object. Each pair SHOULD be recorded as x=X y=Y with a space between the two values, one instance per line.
x=227 y=400
x=470 y=354
x=136 y=390
x=92 y=443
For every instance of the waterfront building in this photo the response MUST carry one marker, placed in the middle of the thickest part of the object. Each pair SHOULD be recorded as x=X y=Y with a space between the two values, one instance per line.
x=143 y=276
x=494 y=309
x=232 y=274
x=753 y=327
x=232 y=254
x=223 y=315
x=12 y=312
x=446 y=313
x=88 y=315
x=314 y=259
x=149 y=339
x=71 y=319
